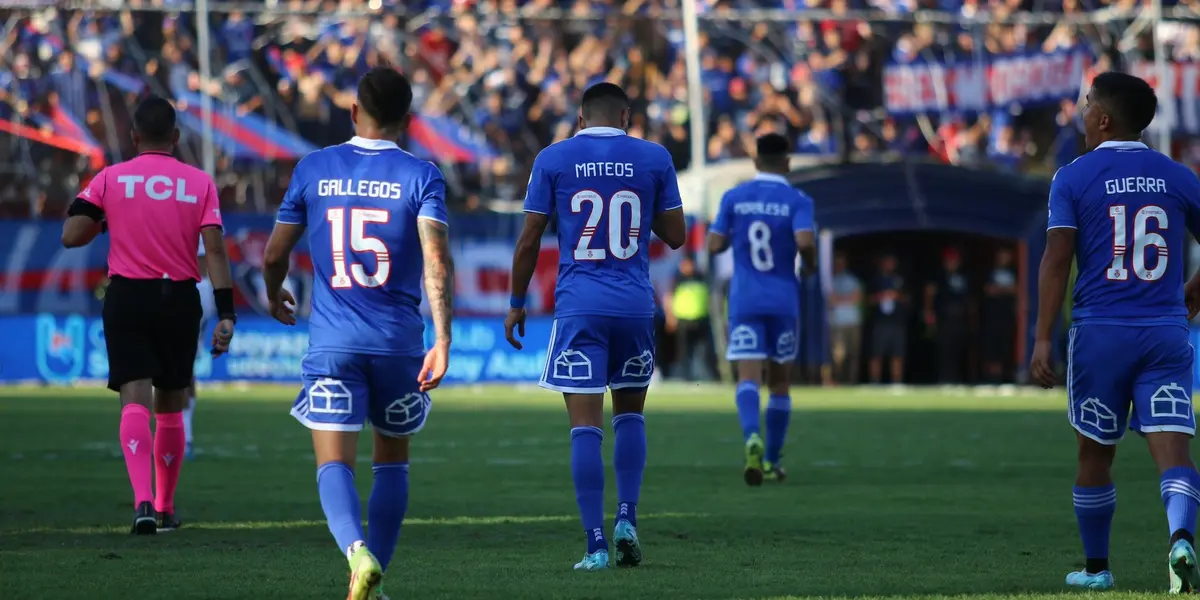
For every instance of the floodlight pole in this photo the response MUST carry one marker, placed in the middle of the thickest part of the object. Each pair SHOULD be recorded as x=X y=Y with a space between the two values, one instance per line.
x=696 y=116
x=1166 y=87
x=208 y=153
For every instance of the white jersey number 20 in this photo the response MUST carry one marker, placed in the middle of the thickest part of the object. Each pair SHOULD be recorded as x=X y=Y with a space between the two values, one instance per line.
x=616 y=245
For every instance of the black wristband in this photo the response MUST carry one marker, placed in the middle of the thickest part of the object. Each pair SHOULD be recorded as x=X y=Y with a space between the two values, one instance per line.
x=81 y=207
x=223 y=298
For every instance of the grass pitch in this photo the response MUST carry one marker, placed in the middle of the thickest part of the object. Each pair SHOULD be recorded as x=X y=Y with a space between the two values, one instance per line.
x=924 y=494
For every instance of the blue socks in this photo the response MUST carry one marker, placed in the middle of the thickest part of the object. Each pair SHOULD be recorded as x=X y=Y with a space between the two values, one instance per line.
x=629 y=462
x=339 y=500
x=385 y=509
x=1094 y=509
x=747 y=406
x=587 y=469
x=1181 y=495
x=779 y=414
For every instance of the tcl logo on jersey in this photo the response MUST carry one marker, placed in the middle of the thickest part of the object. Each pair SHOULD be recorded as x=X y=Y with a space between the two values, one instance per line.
x=157 y=187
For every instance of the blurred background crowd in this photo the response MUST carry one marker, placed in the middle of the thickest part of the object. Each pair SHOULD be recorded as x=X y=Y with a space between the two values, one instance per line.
x=496 y=81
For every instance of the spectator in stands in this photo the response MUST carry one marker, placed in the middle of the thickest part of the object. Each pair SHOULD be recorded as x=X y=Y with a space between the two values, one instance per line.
x=999 y=318
x=845 y=322
x=889 y=322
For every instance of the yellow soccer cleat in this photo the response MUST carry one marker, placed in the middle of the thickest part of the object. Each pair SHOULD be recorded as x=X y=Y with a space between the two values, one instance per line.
x=365 y=575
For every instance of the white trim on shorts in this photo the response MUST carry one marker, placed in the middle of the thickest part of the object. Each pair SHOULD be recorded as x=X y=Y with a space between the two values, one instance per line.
x=1165 y=428
x=629 y=384
x=305 y=421
x=572 y=390
x=745 y=356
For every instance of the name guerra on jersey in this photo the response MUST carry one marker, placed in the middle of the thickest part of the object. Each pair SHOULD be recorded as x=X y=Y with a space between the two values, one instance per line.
x=603 y=169
x=1129 y=185
x=771 y=209
x=362 y=187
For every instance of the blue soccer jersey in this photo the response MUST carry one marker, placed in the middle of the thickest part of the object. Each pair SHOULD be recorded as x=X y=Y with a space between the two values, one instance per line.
x=604 y=189
x=1128 y=348
x=360 y=202
x=760 y=218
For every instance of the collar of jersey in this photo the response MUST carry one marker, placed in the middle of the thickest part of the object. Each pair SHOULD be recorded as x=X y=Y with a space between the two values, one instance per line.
x=771 y=177
x=367 y=144
x=1123 y=145
x=600 y=131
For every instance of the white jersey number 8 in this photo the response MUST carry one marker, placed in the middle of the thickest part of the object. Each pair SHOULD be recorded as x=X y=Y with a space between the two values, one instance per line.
x=615 y=245
x=1142 y=239
x=760 y=246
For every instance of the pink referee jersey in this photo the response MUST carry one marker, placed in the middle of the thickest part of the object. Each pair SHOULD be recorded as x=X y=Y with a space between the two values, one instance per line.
x=155 y=207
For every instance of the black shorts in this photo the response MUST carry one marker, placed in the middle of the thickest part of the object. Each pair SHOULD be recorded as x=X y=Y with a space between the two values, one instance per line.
x=889 y=339
x=150 y=330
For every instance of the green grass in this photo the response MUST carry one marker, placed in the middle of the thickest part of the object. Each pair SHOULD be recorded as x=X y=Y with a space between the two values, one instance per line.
x=924 y=494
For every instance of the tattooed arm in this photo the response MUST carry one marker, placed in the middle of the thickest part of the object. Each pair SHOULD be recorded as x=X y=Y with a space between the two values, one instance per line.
x=439 y=275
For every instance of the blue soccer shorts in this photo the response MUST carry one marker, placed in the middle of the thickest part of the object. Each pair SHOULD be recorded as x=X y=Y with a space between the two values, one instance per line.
x=1112 y=369
x=762 y=337
x=588 y=354
x=344 y=391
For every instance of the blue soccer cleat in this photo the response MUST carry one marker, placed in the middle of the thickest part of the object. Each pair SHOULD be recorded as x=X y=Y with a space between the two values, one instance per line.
x=596 y=561
x=625 y=543
x=1185 y=575
x=1090 y=581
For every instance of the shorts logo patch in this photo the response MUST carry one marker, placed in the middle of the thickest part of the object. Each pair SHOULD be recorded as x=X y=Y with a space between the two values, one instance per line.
x=640 y=366
x=743 y=339
x=572 y=365
x=408 y=410
x=330 y=397
x=785 y=345
x=1172 y=402
x=1100 y=417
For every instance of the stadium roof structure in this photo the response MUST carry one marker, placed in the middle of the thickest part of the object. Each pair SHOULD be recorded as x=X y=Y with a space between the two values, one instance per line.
x=864 y=198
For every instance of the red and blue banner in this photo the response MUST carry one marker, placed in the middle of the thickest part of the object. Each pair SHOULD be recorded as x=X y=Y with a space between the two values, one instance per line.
x=974 y=86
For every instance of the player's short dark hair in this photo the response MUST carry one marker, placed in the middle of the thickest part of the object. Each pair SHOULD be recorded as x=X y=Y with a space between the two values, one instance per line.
x=385 y=95
x=773 y=146
x=604 y=98
x=154 y=120
x=1129 y=99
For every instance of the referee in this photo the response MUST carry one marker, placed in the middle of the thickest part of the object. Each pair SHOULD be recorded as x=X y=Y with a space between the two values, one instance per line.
x=155 y=209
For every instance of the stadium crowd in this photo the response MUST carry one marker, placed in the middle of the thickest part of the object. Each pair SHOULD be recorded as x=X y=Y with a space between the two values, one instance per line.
x=503 y=77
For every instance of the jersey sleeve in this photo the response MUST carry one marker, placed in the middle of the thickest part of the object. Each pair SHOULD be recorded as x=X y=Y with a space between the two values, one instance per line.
x=668 y=189
x=802 y=218
x=1062 y=204
x=539 y=194
x=293 y=210
x=93 y=193
x=431 y=203
x=721 y=224
x=212 y=210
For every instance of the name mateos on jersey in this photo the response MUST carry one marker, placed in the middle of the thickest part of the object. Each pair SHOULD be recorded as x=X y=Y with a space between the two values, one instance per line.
x=603 y=169
x=1130 y=185
x=362 y=187
x=771 y=209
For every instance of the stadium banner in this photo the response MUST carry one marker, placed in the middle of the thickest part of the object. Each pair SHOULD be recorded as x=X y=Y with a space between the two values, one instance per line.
x=1182 y=84
x=65 y=349
x=38 y=275
x=974 y=86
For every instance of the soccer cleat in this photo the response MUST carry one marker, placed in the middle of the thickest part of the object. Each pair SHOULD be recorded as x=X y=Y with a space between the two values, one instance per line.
x=1090 y=581
x=773 y=472
x=596 y=561
x=187 y=452
x=625 y=543
x=365 y=575
x=167 y=521
x=1185 y=575
x=144 y=521
x=755 y=448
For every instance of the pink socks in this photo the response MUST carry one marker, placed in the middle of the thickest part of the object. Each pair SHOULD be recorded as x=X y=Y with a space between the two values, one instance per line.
x=169 y=445
x=138 y=446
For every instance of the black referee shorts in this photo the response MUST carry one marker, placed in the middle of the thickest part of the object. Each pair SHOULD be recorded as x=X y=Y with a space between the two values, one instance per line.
x=150 y=330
